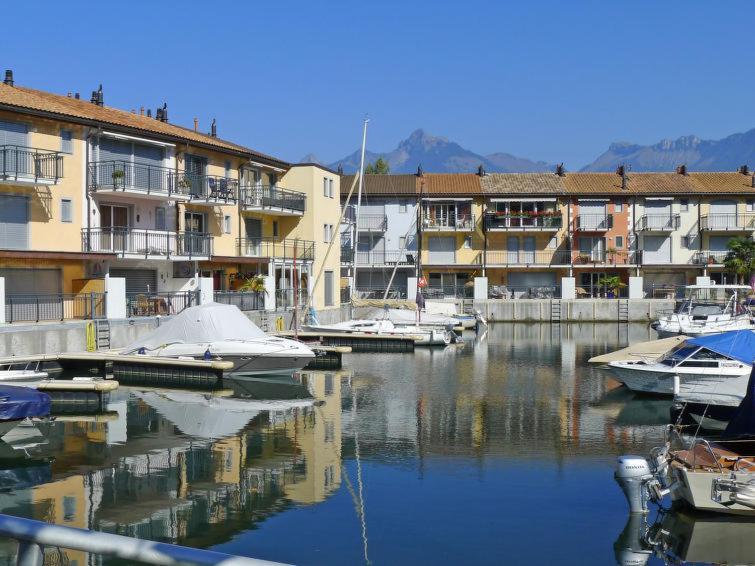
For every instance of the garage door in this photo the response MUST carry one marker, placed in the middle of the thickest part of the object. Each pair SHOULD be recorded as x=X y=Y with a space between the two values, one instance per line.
x=656 y=249
x=442 y=250
x=14 y=222
x=657 y=285
x=138 y=281
x=32 y=294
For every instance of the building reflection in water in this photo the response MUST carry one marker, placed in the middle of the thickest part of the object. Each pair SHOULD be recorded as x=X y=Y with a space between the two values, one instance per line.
x=183 y=467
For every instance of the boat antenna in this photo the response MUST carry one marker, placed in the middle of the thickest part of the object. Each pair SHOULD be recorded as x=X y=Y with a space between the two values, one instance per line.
x=359 y=205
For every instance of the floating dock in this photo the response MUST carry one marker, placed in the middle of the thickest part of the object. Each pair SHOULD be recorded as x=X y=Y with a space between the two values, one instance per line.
x=357 y=341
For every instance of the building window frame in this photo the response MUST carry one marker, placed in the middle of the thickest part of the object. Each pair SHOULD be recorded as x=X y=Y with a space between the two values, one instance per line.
x=66 y=141
x=66 y=210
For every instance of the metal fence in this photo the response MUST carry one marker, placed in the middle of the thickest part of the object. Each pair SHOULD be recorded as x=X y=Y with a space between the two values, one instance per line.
x=726 y=222
x=36 y=308
x=601 y=292
x=284 y=298
x=379 y=293
x=524 y=292
x=448 y=292
x=659 y=222
x=277 y=248
x=272 y=197
x=709 y=257
x=19 y=161
x=127 y=176
x=549 y=221
x=244 y=300
x=153 y=304
x=131 y=241
x=594 y=222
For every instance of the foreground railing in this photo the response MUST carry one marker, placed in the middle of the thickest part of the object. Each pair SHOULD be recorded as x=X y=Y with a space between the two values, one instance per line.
x=272 y=197
x=36 y=308
x=27 y=162
x=276 y=248
x=33 y=536
x=164 y=304
x=244 y=300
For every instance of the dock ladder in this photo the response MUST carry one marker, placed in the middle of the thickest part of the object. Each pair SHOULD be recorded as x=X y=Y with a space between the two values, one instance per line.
x=467 y=306
x=623 y=310
x=102 y=330
x=556 y=311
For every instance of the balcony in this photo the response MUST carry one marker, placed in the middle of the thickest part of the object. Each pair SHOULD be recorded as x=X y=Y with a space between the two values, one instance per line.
x=147 y=244
x=522 y=223
x=380 y=258
x=301 y=250
x=708 y=257
x=525 y=258
x=209 y=190
x=373 y=223
x=594 y=222
x=728 y=222
x=273 y=200
x=134 y=178
x=459 y=223
x=659 y=223
x=605 y=258
x=30 y=165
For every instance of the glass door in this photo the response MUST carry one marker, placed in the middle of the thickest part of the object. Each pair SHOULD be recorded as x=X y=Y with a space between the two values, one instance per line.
x=114 y=224
x=194 y=175
x=196 y=242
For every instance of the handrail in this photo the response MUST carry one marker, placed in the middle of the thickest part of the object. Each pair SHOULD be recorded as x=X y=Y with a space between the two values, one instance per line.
x=35 y=535
x=282 y=248
x=270 y=196
x=724 y=221
x=660 y=222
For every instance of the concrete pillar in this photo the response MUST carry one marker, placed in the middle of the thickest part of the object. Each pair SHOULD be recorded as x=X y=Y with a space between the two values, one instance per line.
x=635 y=288
x=702 y=280
x=568 y=288
x=270 y=292
x=115 y=298
x=2 y=300
x=311 y=285
x=480 y=288
x=411 y=288
x=206 y=290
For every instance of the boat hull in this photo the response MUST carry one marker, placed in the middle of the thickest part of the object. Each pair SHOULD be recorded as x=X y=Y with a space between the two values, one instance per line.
x=694 y=488
x=649 y=378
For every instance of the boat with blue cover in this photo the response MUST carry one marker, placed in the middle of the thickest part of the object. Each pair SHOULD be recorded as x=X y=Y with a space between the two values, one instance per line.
x=19 y=403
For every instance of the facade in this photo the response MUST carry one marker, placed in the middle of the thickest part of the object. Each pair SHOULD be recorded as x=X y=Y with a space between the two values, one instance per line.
x=89 y=192
x=526 y=231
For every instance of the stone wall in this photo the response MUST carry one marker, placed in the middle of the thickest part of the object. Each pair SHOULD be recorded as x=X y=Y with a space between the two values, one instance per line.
x=577 y=310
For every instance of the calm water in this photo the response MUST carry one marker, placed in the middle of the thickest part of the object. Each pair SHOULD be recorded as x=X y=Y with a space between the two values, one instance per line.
x=498 y=452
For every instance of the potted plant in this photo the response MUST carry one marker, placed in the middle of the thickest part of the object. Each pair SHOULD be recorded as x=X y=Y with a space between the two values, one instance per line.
x=611 y=255
x=254 y=284
x=582 y=259
x=118 y=175
x=613 y=283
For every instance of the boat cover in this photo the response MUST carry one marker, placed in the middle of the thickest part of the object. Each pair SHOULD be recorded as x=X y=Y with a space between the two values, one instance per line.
x=738 y=344
x=406 y=317
x=21 y=402
x=211 y=322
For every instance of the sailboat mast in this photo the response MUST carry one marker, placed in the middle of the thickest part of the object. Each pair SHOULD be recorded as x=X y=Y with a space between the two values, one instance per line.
x=359 y=206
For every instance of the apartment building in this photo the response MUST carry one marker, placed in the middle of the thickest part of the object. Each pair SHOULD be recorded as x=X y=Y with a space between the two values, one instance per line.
x=525 y=231
x=89 y=192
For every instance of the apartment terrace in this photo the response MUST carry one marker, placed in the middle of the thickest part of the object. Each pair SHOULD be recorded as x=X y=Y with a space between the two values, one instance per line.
x=448 y=215
x=276 y=248
x=135 y=178
x=147 y=244
x=503 y=222
x=273 y=200
x=30 y=165
x=563 y=258
x=658 y=222
x=709 y=257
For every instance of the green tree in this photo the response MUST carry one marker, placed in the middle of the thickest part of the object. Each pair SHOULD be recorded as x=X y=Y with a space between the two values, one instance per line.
x=254 y=284
x=613 y=283
x=380 y=167
x=741 y=258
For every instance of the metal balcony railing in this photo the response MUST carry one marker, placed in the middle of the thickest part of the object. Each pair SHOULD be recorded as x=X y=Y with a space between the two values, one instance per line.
x=244 y=300
x=385 y=257
x=728 y=222
x=607 y=258
x=153 y=304
x=136 y=177
x=496 y=221
x=146 y=243
x=524 y=292
x=451 y=223
x=208 y=188
x=659 y=222
x=27 y=163
x=520 y=257
x=708 y=257
x=594 y=222
x=373 y=222
x=267 y=197
x=277 y=248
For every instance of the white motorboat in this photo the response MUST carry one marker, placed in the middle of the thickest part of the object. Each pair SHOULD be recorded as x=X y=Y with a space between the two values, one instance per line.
x=422 y=336
x=221 y=332
x=406 y=317
x=708 y=309
x=712 y=368
x=442 y=308
x=22 y=373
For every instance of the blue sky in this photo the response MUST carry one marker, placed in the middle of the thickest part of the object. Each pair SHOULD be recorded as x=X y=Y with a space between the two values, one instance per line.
x=549 y=80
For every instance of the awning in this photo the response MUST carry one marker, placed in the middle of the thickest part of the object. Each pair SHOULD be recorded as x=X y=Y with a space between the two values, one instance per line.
x=136 y=139
x=447 y=199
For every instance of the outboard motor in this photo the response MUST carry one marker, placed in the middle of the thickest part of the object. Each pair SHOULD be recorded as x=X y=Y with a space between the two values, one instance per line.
x=631 y=548
x=632 y=474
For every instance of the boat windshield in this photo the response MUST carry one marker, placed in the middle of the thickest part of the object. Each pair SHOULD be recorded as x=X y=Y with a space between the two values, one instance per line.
x=693 y=356
x=701 y=309
x=679 y=355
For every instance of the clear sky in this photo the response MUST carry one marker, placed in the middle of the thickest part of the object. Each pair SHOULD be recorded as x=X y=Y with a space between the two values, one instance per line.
x=553 y=80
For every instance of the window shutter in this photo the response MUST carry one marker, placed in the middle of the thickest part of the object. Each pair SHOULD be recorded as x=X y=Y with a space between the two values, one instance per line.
x=66 y=141
x=66 y=213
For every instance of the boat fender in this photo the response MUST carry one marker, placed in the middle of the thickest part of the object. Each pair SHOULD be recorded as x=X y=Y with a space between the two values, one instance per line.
x=142 y=351
x=207 y=355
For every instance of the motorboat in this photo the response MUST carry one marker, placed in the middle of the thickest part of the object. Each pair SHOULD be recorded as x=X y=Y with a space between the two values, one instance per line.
x=222 y=332
x=443 y=308
x=22 y=373
x=712 y=369
x=405 y=317
x=384 y=327
x=20 y=403
x=708 y=309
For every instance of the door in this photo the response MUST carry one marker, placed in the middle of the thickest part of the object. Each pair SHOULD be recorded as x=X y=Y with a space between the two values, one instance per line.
x=656 y=249
x=657 y=214
x=723 y=215
x=529 y=249
x=194 y=171
x=592 y=249
x=253 y=233
x=195 y=237
x=512 y=249
x=14 y=222
x=138 y=281
x=114 y=235
x=329 y=281
x=592 y=215
x=442 y=250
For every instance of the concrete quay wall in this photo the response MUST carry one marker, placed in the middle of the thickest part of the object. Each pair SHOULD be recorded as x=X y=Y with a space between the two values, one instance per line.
x=577 y=310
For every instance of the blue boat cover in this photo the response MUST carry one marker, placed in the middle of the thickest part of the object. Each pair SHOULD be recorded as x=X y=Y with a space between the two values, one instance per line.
x=743 y=421
x=21 y=402
x=738 y=344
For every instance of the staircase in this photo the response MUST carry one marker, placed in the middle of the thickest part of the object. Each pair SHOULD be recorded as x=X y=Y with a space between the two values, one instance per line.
x=102 y=333
x=556 y=311
x=623 y=310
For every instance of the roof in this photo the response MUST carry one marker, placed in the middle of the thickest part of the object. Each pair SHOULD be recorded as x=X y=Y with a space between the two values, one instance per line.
x=388 y=185
x=658 y=183
x=36 y=101
x=313 y=164
x=723 y=182
x=526 y=183
x=450 y=184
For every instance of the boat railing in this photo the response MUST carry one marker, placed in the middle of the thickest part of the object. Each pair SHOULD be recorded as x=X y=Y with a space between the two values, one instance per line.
x=34 y=536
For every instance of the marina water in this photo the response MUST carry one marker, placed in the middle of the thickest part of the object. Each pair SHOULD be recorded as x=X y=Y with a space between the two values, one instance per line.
x=501 y=451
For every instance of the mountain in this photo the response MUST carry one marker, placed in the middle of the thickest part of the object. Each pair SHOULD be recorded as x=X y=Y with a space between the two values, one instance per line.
x=310 y=158
x=439 y=155
x=699 y=155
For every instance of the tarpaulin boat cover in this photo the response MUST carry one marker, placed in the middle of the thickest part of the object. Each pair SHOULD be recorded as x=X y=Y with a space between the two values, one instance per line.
x=406 y=317
x=211 y=322
x=18 y=403
x=743 y=421
x=738 y=344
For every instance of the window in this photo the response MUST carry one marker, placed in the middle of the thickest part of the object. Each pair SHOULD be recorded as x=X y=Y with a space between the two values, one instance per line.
x=324 y=187
x=228 y=169
x=275 y=229
x=684 y=205
x=65 y=210
x=687 y=242
x=66 y=141
x=227 y=224
x=468 y=242
x=329 y=283
x=619 y=242
x=402 y=206
x=618 y=206
x=331 y=194
x=402 y=242
x=160 y=218
x=327 y=233
x=750 y=205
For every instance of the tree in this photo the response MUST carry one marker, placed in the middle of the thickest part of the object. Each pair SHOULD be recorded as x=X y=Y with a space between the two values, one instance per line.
x=741 y=258
x=380 y=167
x=613 y=283
x=254 y=284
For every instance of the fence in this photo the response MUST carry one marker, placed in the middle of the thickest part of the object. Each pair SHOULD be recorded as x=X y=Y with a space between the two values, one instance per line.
x=594 y=222
x=659 y=222
x=130 y=241
x=36 y=308
x=494 y=221
x=524 y=292
x=244 y=300
x=601 y=292
x=379 y=293
x=448 y=292
x=284 y=298
x=124 y=175
x=18 y=161
x=153 y=304
x=277 y=248
x=725 y=222
x=708 y=257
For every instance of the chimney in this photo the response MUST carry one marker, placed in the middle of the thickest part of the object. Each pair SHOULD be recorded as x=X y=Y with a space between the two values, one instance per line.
x=420 y=172
x=100 y=97
x=622 y=170
x=340 y=169
x=8 y=77
x=196 y=125
x=141 y=111
x=93 y=99
x=744 y=169
x=70 y=95
x=560 y=170
x=164 y=113
x=77 y=96
x=214 y=129
x=481 y=171
x=681 y=169
x=149 y=113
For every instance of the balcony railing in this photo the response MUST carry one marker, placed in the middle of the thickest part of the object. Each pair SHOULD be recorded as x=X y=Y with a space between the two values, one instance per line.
x=450 y=223
x=659 y=222
x=594 y=222
x=607 y=258
x=244 y=300
x=146 y=243
x=448 y=292
x=514 y=222
x=20 y=163
x=136 y=177
x=211 y=189
x=540 y=257
x=277 y=248
x=35 y=308
x=373 y=222
x=153 y=304
x=270 y=197
x=285 y=298
x=524 y=292
x=708 y=257
x=728 y=222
